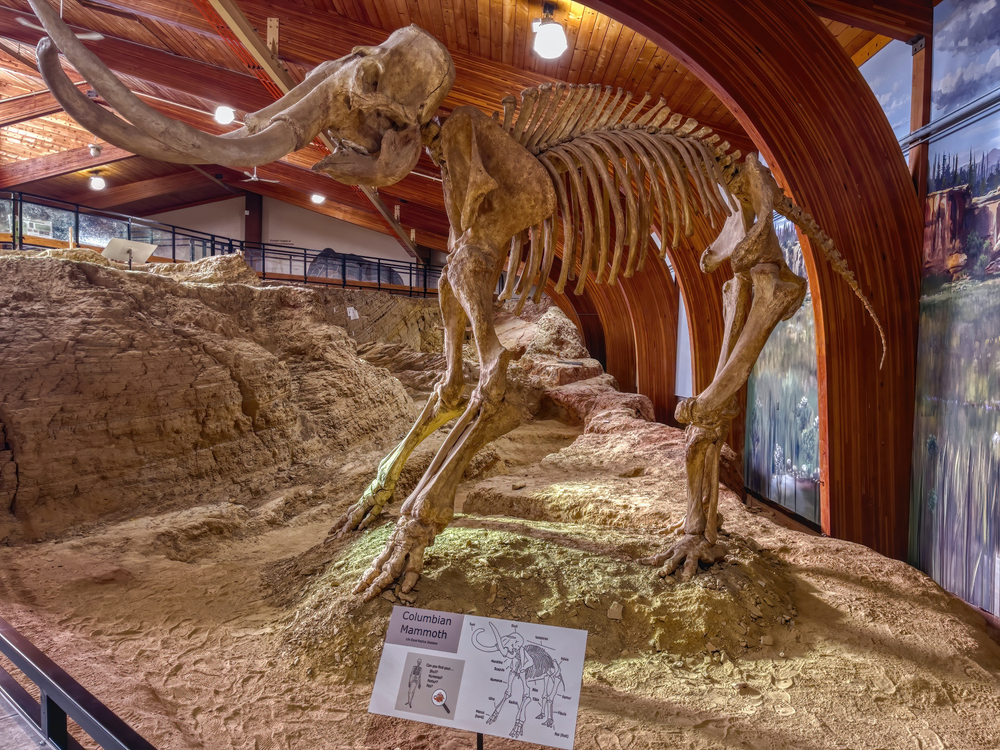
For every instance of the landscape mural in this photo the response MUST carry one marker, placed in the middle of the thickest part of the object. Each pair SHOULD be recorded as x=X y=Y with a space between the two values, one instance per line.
x=781 y=453
x=955 y=492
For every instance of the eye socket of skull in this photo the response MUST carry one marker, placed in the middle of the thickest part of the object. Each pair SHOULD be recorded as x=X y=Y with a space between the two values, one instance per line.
x=417 y=72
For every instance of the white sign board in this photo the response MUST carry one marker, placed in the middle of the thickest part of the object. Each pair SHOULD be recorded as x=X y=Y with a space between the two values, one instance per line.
x=125 y=250
x=480 y=674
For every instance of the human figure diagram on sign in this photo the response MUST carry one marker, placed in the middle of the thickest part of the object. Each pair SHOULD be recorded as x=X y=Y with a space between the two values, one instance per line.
x=530 y=666
x=414 y=684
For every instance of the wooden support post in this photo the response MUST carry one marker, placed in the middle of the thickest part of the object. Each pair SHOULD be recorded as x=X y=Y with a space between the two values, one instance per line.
x=272 y=36
x=920 y=114
x=253 y=227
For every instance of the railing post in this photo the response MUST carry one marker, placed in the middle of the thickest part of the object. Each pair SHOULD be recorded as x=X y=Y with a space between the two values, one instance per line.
x=263 y=261
x=425 y=279
x=305 y=265
x=53 y=723
x=378 y=274
x=76 y=224
x=128 y=229
x=20 y=221
x=173 y=245
x=343 y=271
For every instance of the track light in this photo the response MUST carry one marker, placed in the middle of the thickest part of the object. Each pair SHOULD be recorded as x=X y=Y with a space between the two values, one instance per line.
x=550 y=38
x=95 y=149
x=96 y=181
x=317 y=198
x=224 y=115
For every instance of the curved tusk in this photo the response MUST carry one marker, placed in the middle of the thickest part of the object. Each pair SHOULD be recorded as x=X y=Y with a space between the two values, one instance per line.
x=496 y=634
x=96 y=119
x=271 y=144
x=480 y=645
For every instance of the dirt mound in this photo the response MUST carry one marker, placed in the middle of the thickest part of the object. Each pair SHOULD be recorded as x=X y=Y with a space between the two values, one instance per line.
x=124 y=391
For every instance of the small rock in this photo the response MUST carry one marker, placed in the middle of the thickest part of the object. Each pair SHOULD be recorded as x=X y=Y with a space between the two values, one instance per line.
x=518 y=486
x=408 y=598
x=493 y=593
x=766 y=640
x=543 y=615
x=615 y=611
x=388 y=596
x=711 y=647
x=592 y=602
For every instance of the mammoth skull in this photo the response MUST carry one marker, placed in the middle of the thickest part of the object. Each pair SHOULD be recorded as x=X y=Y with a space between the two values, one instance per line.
x=371 y=103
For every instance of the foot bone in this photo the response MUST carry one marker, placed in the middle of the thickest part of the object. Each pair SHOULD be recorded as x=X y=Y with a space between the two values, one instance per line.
x=403 y=556
x=691 y=549
x=361 y=515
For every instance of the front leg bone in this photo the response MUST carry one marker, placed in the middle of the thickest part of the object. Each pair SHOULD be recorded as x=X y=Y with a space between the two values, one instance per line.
x=445 y=404
x=360 y=515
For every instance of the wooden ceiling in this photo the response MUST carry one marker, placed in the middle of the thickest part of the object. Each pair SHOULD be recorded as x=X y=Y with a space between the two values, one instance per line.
x=168 y=52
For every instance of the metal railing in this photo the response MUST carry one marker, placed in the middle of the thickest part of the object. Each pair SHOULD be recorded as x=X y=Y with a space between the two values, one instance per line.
x=62 y=698
x=31 y=222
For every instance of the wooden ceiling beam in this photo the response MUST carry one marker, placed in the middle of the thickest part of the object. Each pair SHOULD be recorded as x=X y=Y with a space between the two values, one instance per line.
x=138 y=191
x=53 y=165
x=161 y=68
x=324 y=36
x=17 y=109
x=898 y=19
x=867 y=52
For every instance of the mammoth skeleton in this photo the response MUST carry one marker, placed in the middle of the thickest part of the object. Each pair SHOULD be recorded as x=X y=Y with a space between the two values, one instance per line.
x=577 y=167
x=528 y=664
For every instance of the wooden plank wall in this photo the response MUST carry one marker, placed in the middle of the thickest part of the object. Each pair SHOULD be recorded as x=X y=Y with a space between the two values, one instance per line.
x=808 y=109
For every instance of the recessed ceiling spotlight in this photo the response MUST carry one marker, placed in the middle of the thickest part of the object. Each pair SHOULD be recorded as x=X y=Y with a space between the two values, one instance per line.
x=224 y=115
x=96 y=181
x=317 y=198
x=550 y=38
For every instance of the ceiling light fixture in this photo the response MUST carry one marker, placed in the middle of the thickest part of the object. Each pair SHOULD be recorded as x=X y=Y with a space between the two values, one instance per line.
x=96 y=181
x=224 y=115
x=317 y=198
x=550 y=38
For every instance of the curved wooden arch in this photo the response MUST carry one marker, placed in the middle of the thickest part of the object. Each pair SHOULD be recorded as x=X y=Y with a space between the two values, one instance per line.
x=815 y=120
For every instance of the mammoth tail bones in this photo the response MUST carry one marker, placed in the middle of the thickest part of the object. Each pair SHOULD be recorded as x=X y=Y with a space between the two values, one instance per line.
x=583 y=169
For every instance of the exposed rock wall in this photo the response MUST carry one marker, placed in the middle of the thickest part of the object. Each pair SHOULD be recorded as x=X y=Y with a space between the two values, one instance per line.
x=382 y=317
x=121 y=390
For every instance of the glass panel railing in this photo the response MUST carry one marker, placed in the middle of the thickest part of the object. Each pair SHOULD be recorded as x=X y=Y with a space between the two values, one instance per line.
x=6 y=215
x=47 y=218
x=98 y=230
x=47 y=222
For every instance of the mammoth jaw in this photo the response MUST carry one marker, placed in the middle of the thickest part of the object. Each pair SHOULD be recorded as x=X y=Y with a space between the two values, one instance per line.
x=396 y=158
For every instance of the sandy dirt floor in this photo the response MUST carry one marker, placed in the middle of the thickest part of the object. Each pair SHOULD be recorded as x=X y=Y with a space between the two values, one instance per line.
x=233 y=625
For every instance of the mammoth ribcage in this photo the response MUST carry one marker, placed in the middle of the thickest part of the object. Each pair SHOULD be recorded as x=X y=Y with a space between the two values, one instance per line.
x=617 y=177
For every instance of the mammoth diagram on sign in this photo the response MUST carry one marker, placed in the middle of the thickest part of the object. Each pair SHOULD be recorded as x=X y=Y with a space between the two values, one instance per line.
x=531 y=668
x=577 y=168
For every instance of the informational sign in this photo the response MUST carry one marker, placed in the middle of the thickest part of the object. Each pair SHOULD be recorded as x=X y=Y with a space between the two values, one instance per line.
x=38 y=228
x=480 y=674
x=125 y=251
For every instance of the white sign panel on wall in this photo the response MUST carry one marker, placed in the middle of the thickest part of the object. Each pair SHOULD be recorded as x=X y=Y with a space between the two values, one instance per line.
x=480 y=674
